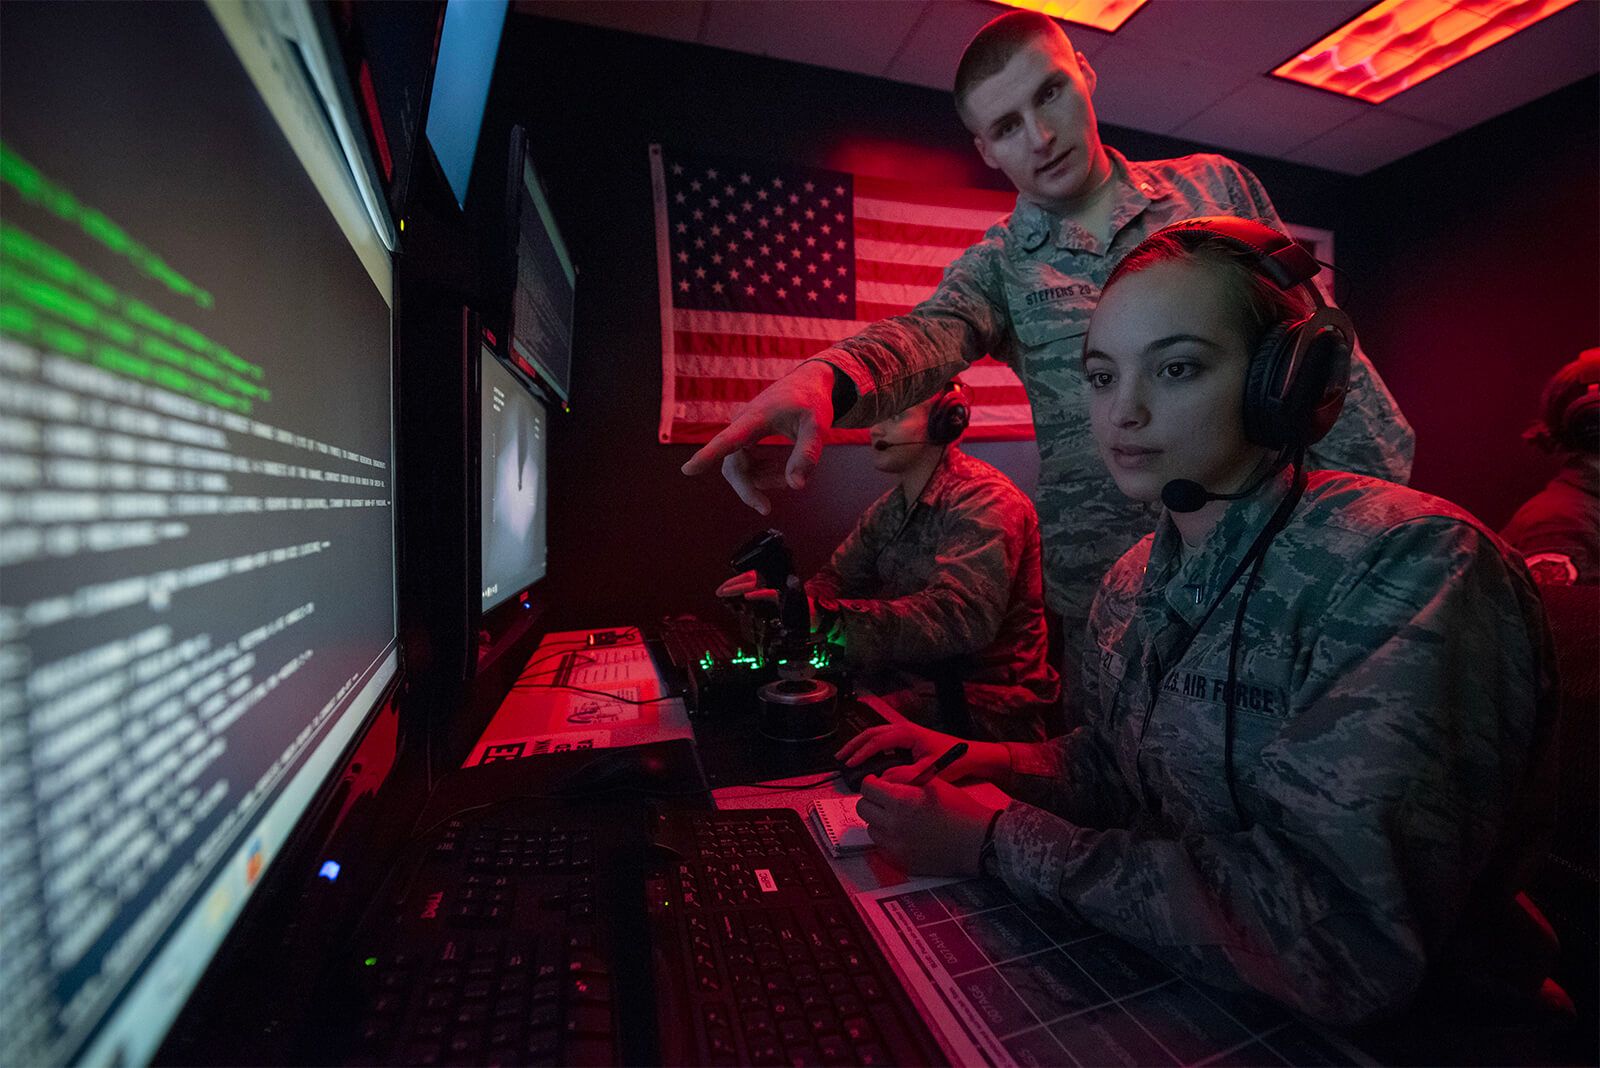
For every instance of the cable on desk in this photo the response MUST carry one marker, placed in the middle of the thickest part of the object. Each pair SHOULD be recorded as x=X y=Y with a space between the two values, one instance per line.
x=519 y=685
x=527 y=668
x=776 y=786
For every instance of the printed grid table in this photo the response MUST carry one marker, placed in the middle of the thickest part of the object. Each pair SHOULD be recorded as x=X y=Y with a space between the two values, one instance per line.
x=1006 y=985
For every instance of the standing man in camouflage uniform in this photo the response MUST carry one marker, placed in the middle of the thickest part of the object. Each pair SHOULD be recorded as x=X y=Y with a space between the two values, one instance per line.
x=1023 y=294
x=940 y=582
x=1325 y=780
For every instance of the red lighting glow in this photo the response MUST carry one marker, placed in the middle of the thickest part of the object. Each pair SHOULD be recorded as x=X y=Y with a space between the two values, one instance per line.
x=1104 y=15
x=1395 y=44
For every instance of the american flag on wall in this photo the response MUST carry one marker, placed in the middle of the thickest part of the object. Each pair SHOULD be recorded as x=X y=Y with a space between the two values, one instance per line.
x=762 y=266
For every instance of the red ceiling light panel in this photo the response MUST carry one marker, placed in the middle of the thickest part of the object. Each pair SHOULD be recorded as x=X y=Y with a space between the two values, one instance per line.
x=1397 y=43
x=1104 y=15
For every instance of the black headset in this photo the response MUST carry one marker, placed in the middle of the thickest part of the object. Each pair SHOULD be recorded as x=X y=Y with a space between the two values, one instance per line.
x=1299 y=375
x=1294 y=390
x=1580 y=421
x=1571 y=419
x=950 y=415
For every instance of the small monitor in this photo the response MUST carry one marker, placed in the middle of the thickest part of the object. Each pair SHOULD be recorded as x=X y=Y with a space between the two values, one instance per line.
x=467 y=48
x=542 y=295
x=514 y=486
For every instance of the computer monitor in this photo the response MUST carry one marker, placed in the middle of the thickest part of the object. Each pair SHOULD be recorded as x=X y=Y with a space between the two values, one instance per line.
x=514 y=484
x=197 y=538
x=461 y=74
x=542 y=294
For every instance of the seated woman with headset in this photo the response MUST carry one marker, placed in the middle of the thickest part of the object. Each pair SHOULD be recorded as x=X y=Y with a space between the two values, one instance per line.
x=1318 y=707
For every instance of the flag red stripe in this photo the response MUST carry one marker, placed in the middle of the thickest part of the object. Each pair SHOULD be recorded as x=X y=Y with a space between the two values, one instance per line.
x=904 y=233
x=996 y=200
x=870 y=312
x=698 y=432
x=760 y=345
x=705 y=388
x=910 y=274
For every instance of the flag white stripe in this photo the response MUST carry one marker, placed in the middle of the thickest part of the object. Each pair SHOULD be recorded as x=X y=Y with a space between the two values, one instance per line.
x=825 y=331
x=979 y=219
x=893 y=293
x=871 y=250
x=982 y=415
x=767 y=368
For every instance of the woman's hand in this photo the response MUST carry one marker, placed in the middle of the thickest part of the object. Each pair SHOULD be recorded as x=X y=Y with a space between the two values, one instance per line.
x=935 y=829
x=983 y=760
x=925 y=743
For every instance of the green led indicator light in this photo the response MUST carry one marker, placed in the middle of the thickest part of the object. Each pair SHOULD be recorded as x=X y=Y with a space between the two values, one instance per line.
x=370 y=961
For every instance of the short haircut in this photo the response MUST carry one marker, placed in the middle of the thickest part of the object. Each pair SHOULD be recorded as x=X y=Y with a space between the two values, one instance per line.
x=1259 y=303
x=992 y=47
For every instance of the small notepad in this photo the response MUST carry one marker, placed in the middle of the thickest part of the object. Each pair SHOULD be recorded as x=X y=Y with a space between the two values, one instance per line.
x=840 y=830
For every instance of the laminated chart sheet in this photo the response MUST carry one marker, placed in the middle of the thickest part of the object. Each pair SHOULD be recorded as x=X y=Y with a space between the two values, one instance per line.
x=1004 y=985
x=577 y=695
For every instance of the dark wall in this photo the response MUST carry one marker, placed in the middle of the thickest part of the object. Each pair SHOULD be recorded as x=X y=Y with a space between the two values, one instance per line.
x=631 y=538
x=1477 y=274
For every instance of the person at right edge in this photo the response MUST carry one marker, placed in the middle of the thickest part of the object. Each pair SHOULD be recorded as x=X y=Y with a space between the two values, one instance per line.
x=1023 y=295
x=1558 y=529
x=1318 y=752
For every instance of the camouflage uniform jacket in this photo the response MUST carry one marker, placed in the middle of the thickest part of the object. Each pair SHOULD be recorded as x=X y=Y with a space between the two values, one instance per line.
x=1023 y=294
x=1558 y=529
x=1395 y=721
x=953 y=575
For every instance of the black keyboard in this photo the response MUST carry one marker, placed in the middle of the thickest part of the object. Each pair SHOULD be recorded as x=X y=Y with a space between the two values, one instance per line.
x=760 y=956
x=503 y=947
x=536 y=932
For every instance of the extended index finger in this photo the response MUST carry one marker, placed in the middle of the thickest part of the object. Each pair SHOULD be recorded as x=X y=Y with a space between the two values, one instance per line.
x=729 y=440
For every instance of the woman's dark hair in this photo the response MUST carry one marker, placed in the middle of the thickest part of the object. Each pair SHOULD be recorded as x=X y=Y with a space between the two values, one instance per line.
x=1261 y=304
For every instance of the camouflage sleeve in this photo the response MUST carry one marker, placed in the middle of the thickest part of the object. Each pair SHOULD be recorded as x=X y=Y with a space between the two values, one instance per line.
x=1068 y=780
x=961 y=609
x=1386 y=788
x=850 y=571
x=1372 y=436
x=897 y=362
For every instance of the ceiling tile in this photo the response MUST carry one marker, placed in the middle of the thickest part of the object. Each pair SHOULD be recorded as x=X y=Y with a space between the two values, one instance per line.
x=1269 y=117
x=678 y=20
x=929 y=54
x=1156 y=92
x=1368 y=142
x=1546 y=56
x=1247 y=35
x=854 y=35
x=1189 y=68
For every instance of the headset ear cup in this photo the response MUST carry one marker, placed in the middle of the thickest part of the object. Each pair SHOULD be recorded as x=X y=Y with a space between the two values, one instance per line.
x=1296 y=385
x=1262 y=388
x=1327 y=382
x=948 y=418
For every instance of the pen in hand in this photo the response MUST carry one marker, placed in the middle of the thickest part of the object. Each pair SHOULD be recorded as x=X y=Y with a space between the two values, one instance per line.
x=951 y=755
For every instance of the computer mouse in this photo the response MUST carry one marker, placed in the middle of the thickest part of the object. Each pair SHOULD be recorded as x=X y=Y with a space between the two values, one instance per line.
x=876 y=764
x=622 y=771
